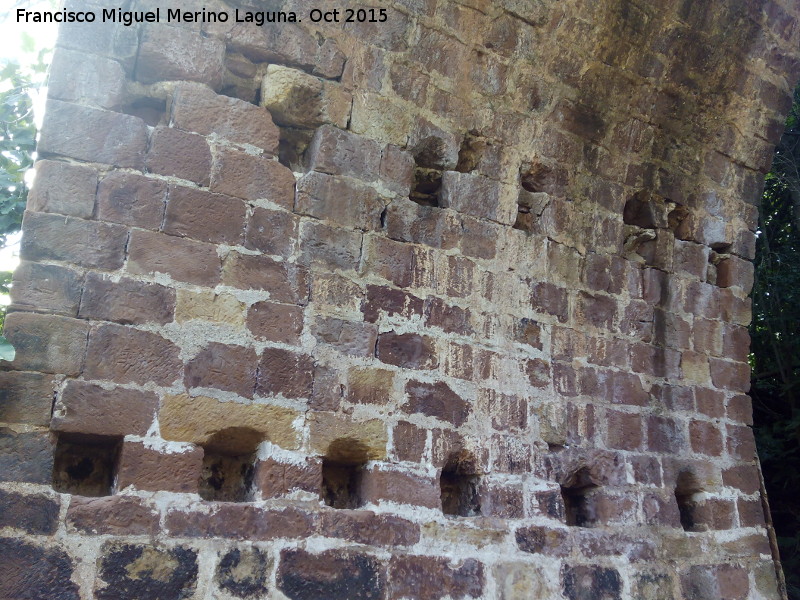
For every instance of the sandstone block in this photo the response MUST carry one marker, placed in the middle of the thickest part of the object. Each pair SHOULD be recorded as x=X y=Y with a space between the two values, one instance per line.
x=365 y=527
x=370 y=386
x=477 y=196
x=196 y=420
x=333 y=574
x=272 y=232
x=115 y=515
x=126 y=301
x=131 y=200
x=93 y=135
x=46 y=343
x=436 y=400
x=63 y=188
x=87 y=408
x=397 y=169
x=407 y=350
x=409 y=441
x=273 y=478
x=337 y=152
x=86 y=79
x=26 y=397
x=388 y=259
x=126 y=355
x=84 y=243
x=198 y=109
x=585 y=582
x=341 y=438
x=224 y=367
x=35 y=514
x=285 y=372
x=400 y=487
x=208 y=306
x=31 y=570
x=274 y=322
x=26 y=456
x=171 y=53
x=434 y=577
x=46 y=287
x=250 y=177
x=298 y=99
x=328 y=247
x=342 y=200
x=176 y=153
x=204 y=216
x=186 y=260
x=348 y=337
x=149 y=469
x=285 y=282
x=130 y=571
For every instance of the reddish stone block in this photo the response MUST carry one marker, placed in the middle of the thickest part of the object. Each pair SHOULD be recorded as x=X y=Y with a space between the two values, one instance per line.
x=550 y=299
x=538 y=372
x=740 y=409
x=127 y=355
x=582 y=582
x=204 y=216
x=400 y=487
x=87 y=408
x=543 y=540
x=389 y=301
x=434 y=577
x=397 y=170
x=510 y=454
x=665 y=435
x=705 y=438
x=744 y=478
x=473 y=195
x=244 y=521
x=272 y=232
x=407 y=350
x=365 y=527
x=275 y=322
x=182 y=259
x=459 y=275
x=655 y=361
x=338 y=152
x=707 y=336
x=409 y=441
x=46 y=343
x=84 y=243
x=328 y=247
x=170 y=53
x=131 y=200
x=46 y=287
x=115 y=515
x=332 y=574
x=29 y=570
x=198 y=109
x=249 y=177
x=503 y=501
x=711 y=582
x=146 y=468
x=26 y=398
x=26 y=456
x=393 y=261
x=734 y=271
x=326 y=389
x=285 y=282
x=179 y=154
x=740 y=442
x=342 y=200
x=284 y=372
x=710 y=402
x=348 y=337
x=729 y=375
x=624 y=430
x=63 y=188
x=273 y=478
x=35 y=514
x=451 y=319
x=86 y=79
x=224 y=367
x=598 y=311
x=735 y=342
x=436 y=400
x=126 y=301
x=84 y=133
x=407 y=221
x=751 y=513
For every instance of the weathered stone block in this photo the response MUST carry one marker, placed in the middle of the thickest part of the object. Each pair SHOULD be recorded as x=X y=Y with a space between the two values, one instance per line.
x=342 y=200
x=131 y=200
x=251 y=177
x=115 y=515
x=47 y=343
x=332 y=574
x=224 y=367
x=407 y=350
x=132 y=571
x=46 y=287
x=63 y=188
x=341 y=438
x=298 y=99
x=337 y=152
x=171 y=53
x=151 y=469
x=127 y=301
x=150 y=253
x=35 y=514
x=285 y=282
x=274 y=322
x=34 y=571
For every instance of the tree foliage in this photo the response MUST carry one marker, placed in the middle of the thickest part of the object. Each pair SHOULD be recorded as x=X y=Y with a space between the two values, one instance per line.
x=775 y=333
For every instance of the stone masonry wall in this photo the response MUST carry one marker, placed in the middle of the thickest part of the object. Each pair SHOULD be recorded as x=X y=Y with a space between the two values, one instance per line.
x=452 y=305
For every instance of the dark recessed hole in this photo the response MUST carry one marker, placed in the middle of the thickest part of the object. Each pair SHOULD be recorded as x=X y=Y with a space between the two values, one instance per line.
x=292 y=146
x=530 y=206
x=554 y=447
x=470 y=153
x=341 y=483
x=427 y=183
x=686 y=490
x=579 y=503
x=228 y=460
x=85 y=466
x=640 y=212
x=677 y=223
x=535 y=177
x=151 y=110
x=459 y=487
x=721 y=247
x=429 y=153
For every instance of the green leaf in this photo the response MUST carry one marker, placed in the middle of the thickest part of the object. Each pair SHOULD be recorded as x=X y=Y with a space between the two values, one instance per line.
x=7 y=351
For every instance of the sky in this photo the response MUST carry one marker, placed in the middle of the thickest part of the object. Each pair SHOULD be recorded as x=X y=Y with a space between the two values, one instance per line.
x=22 y=43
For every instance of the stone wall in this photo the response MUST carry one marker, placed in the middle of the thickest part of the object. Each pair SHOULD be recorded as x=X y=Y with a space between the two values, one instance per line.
x=448 y=306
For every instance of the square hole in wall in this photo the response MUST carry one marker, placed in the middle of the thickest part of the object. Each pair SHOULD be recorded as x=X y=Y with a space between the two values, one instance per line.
x=459 y=487
x=580 y=508
x=226 y=478
x=85 y=466
x=341 y=483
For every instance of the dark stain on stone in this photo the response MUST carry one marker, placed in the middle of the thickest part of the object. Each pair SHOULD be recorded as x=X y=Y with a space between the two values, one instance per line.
x=332 y=575
x=29 y=572
x=133 y=572
x=244 y=572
